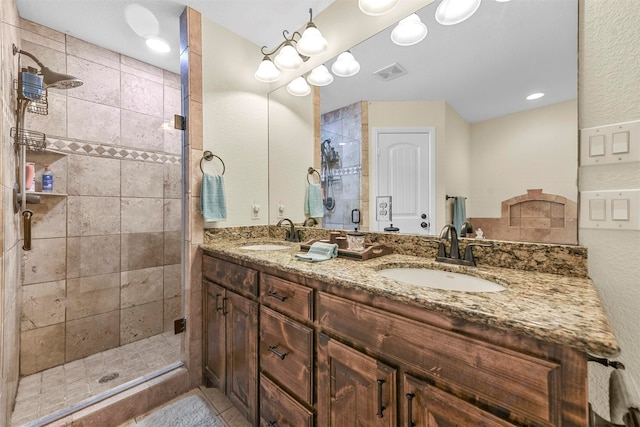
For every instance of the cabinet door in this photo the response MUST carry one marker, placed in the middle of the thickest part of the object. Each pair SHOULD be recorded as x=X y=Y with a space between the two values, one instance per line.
x=427 y=406
x=215 y=335
x=242 y=354
x=353 y=388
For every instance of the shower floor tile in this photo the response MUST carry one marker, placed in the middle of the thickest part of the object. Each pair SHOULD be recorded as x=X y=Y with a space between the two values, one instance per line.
x=57 y=388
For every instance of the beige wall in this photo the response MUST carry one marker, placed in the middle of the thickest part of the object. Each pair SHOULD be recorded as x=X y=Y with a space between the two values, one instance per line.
x=10 y=270
x=533 y=149
x=235 y=111
x=609 y=92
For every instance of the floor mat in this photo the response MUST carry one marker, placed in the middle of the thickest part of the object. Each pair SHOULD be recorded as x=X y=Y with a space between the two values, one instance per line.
x=189 y=411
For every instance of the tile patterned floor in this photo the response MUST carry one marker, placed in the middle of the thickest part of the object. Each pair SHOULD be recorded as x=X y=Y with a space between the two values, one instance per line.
x=222 y=407
x=57 y=388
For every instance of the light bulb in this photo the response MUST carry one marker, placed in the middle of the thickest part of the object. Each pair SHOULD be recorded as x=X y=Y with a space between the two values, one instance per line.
x=409 y=31
x=320 y=76
x=299 y=87
x=376 y=7
x=267 y=71
x=451 y=12
x=345 y=65
x=288 y=58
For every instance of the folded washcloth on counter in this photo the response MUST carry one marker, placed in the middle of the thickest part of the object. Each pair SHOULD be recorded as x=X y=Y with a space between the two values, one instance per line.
x=313 y=204
x=213 y=203
x=319 y=251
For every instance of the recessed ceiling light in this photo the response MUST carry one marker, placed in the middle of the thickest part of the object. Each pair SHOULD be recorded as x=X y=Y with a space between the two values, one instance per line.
x=536 y=95
x=158 y=45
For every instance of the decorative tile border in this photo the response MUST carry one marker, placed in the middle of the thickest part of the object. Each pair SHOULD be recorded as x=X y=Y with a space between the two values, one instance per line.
x=113 y=151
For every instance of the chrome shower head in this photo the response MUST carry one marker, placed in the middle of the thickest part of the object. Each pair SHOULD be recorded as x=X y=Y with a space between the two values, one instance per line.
x=51 y=78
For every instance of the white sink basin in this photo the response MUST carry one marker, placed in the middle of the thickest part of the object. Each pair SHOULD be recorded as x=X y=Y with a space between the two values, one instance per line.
x=265 y=247
x=438 y=279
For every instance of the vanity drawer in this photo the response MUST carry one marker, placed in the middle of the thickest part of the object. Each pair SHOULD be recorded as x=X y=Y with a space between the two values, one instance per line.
x=286 y=352
x=525 y=387
x=287 y=297
x=232 y=276
x=279 y=409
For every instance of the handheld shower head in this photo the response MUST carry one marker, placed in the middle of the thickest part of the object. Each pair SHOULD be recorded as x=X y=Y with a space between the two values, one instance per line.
x=51 y=78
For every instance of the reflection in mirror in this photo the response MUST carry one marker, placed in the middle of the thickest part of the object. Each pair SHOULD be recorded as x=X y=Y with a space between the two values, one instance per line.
x=512 y=162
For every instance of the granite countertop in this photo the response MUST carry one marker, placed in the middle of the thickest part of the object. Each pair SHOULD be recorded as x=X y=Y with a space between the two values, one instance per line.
x=550 y=307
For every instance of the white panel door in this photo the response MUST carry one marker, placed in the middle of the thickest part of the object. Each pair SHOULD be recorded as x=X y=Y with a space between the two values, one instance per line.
x=405 y=173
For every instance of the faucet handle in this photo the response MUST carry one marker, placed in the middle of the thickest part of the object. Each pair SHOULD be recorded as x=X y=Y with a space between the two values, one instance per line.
x=468 y=252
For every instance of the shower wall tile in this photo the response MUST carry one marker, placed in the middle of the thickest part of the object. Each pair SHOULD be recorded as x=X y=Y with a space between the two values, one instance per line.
x=45 y=262
x=141 y=321
x=93 y=122
x=172 y=215
x=48 y=50
x=142 y=69
x=172 y=181
x=172 y=102
x=171 y=80
x=172 y=311
x=101 y=82
x=93 y=255
x=89 y=296
x=93 y=53
x=141 y=95
x=93 y=176
x=173 y=139
x=141 y=215
x=41 y=348
x=42 y=305
x=142 y=131
x=54 y=124
x=91 y=335
x=172 y=281
x=142 y=179
x=141 y=250
x=172 y=247
x=140 y=287
x=91 y=216
x=49 y=218
x=43 y=31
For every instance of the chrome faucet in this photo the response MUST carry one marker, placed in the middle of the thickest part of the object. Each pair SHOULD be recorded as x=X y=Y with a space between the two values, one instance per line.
x=292 y=235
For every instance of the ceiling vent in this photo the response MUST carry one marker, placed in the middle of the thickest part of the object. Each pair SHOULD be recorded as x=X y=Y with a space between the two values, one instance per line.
x=391 y=72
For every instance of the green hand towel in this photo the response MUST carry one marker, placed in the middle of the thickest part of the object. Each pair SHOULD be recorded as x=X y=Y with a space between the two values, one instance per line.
x=319 y=251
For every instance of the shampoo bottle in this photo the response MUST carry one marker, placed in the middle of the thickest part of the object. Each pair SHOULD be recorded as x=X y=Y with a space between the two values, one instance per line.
x=47 y=179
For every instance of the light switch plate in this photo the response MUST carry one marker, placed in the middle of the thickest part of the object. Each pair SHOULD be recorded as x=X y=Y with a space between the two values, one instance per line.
x=612 y=209
x=611 y=144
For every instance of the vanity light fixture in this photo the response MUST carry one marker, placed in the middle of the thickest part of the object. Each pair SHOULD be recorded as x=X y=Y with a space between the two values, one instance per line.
x=292 y=52
x=409 y=31
x=535 y=96
x=451 y=12
x=376 y=7
x=312 y=42
x=345 y=65
x=320 y=76
x=299 y=87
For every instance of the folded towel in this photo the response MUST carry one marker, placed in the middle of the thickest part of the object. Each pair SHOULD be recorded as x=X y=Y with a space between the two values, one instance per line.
x=459 y=213
x=212 y=200
x=320 y=251
x=313 y=204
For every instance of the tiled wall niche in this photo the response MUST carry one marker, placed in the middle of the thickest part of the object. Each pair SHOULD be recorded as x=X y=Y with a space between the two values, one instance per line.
x=104 y=268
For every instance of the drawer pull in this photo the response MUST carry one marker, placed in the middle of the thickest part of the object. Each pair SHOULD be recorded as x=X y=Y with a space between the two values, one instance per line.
x=381 y=407
x=276 y=296
x=218 y=307
x=224 y=306
x=272 y=423
x=410 y=422
x=273 y=350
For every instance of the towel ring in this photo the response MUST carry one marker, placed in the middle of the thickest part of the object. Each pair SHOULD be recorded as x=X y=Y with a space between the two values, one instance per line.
x=311 y=171
x=208 y=155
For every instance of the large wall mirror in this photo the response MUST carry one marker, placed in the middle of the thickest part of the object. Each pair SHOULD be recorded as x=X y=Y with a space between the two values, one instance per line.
x=513 y=161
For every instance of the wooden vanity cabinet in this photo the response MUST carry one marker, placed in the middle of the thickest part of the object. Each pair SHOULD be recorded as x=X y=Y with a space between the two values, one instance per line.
x=231 y=331
x=353 y=389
